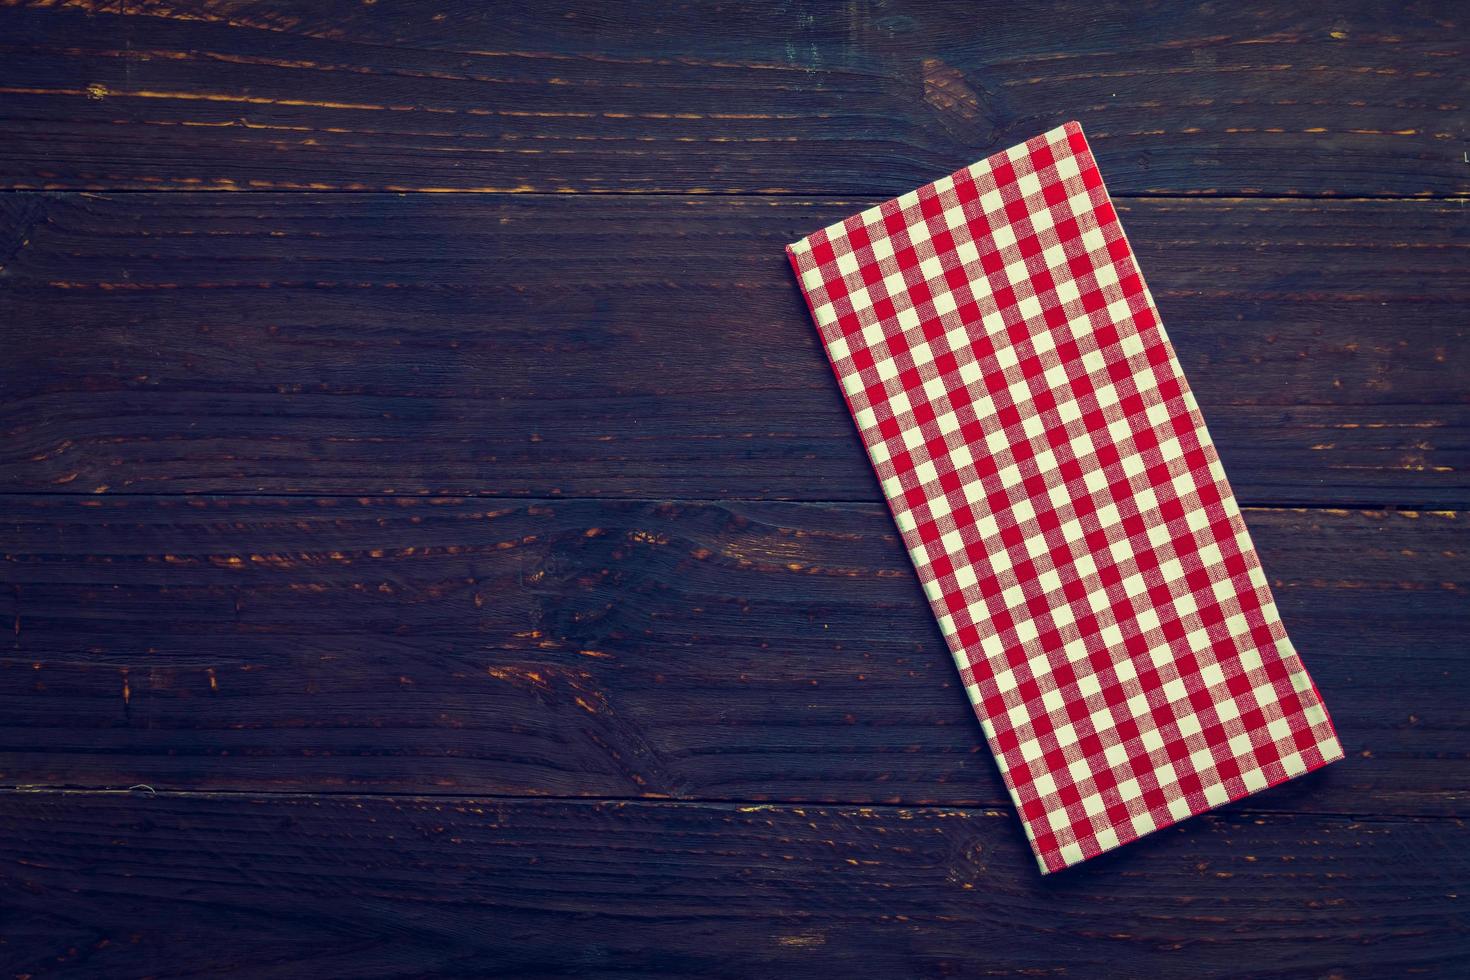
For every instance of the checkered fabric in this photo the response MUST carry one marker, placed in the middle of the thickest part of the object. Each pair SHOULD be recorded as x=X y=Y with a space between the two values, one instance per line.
x=1061 y=499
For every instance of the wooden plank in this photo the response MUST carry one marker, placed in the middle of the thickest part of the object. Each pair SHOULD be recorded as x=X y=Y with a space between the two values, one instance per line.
x=653 y=347
x=615 y=648
x=1246 y=98
x=182 y=885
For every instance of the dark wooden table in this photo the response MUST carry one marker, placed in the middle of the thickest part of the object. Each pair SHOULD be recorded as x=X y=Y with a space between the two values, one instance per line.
x=450 y=553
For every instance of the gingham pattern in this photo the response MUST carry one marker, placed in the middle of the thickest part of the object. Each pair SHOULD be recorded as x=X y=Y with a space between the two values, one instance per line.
x=1061 y=499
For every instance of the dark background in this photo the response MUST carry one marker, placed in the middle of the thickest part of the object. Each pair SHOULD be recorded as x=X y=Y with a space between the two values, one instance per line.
x=448 y=551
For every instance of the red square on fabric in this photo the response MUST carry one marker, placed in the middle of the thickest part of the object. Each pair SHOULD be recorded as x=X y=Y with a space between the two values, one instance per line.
x=1061 y=499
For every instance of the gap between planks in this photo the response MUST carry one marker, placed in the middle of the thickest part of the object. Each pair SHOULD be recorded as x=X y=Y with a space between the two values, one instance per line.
x=144 y=791
x=1203 y=195
x=1442 y=507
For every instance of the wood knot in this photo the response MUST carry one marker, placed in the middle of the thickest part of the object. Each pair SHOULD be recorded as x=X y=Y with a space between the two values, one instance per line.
x=948 y=91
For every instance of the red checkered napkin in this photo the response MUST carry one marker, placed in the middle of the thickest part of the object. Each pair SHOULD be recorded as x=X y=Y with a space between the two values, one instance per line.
x=1061 y=500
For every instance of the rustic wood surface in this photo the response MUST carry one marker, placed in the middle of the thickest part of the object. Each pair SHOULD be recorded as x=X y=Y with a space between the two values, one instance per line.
x=598 y=347
x=735 y=651
x=191 y=884
x=1354 y=98
x=492 y=583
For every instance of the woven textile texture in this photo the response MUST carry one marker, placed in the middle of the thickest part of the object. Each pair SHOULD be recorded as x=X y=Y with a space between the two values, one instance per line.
x=1061 y=499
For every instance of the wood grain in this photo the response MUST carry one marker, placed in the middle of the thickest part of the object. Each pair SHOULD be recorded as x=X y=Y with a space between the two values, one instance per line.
x=1355 y=98
x=280 y=527
x=181 y=885
x=653 y=347
x=740 y=651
